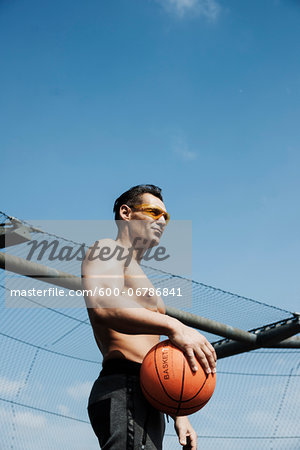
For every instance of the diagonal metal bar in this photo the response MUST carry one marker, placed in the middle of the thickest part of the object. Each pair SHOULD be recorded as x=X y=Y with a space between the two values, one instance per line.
x=40 y=272
x=247 y=340
x=292 y=342
x=270 y=336
x=211 y=326
x=47 y=274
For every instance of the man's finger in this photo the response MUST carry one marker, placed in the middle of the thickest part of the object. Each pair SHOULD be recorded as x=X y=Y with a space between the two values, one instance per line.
x=193 y=441
x=182 y=437
x=203 y=361
x=192 y=360
x=210 y=358
x=211 y=348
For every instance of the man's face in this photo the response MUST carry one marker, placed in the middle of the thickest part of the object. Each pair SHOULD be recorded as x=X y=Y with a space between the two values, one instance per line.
x=142 y=225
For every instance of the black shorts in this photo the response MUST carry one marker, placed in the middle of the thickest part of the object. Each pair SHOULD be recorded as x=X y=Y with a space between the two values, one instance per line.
x=121 y=417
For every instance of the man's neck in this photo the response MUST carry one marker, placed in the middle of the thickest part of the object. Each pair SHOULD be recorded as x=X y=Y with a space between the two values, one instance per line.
x=132 y=245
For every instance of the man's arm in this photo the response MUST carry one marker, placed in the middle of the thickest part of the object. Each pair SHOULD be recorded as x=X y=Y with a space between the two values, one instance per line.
x=124 y=314
x=121 y=312
x=186 y=434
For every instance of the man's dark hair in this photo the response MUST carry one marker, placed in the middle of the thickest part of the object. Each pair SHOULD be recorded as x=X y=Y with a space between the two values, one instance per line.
x=133 y=197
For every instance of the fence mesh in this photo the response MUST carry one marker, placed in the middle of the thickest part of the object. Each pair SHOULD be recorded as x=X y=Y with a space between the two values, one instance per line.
x=49 y=361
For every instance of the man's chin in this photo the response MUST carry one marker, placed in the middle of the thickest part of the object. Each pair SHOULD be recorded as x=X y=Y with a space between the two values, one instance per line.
x=154 y=241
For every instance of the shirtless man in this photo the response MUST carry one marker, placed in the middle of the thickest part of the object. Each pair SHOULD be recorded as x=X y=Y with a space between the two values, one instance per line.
x=127 y=327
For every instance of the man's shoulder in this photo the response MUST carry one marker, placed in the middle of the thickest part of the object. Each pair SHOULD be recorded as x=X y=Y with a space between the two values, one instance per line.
x=102 y=265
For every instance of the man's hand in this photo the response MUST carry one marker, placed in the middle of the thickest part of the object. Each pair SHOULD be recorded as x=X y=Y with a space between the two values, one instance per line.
x=186 y=433
x=194 y=345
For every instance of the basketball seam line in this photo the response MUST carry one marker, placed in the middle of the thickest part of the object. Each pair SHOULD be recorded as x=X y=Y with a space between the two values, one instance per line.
x=170 y=397
x=169 y=406
x=175 y=400
x=182 y=385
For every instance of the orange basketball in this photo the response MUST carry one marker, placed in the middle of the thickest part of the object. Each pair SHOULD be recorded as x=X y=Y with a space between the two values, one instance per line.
x=170 y=385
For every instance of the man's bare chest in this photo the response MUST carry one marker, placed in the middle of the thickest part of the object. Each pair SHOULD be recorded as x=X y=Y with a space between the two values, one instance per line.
x=138 y=285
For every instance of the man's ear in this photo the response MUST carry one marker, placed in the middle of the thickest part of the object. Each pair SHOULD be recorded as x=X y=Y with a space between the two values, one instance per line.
x=125 y=212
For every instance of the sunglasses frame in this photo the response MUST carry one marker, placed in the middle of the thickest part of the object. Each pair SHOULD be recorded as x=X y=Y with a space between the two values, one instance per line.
x=143 y=207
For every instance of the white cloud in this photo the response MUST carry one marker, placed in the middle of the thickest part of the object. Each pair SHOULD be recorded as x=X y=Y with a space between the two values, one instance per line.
x=63 y=409
x=80 y=391
x=5 y=416
x=180 y=8
x=8 y=387
x=28 y=419
x=36 y=432
x=187 y=155
x=181 y=149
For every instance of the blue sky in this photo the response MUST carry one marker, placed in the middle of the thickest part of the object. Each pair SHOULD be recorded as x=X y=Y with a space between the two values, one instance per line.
x=199 y=97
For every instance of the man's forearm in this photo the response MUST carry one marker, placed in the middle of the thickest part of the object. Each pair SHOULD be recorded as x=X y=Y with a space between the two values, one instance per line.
x=134 y=319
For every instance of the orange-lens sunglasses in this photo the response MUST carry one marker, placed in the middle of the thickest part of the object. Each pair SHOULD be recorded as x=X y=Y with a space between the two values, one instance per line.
x=152 y=211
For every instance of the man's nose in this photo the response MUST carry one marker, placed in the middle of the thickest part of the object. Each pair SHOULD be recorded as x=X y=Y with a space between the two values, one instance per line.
x=162 y=221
